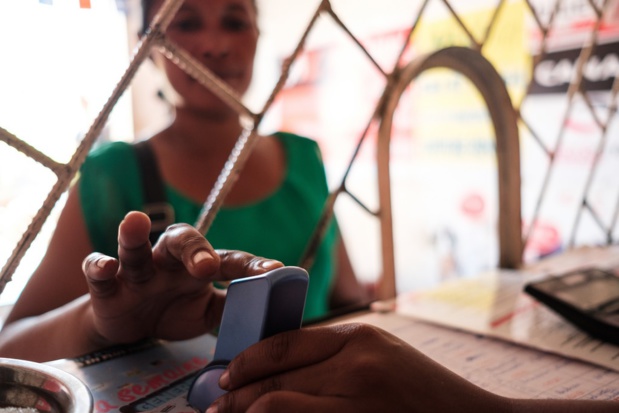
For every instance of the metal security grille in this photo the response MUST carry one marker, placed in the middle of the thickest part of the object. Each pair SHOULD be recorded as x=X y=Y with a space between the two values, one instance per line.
x=510 y=123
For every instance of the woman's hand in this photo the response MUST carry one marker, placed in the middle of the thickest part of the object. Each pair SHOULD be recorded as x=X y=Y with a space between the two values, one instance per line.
x=345 y=368
x=165 y=292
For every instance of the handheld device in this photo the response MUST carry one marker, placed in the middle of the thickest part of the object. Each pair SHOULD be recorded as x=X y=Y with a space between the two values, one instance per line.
x=588 y=298
x=256 y=308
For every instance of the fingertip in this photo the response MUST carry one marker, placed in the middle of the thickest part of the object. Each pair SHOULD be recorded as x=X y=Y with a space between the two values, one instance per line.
x=260 y=265
x=224 y=380
x=99 y=269
x=136 y=214
x=95 y=263
x=204 y=261
x=103 y=262
x=134 y=229
x=236 y=264
x=269 y=265
x=200 y=256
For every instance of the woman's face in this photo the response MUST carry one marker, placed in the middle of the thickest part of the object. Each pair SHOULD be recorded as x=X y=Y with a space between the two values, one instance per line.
x=222 y=35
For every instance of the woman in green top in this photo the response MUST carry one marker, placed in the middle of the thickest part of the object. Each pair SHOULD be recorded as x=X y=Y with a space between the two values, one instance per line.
x=270 y=211
x=277 y=226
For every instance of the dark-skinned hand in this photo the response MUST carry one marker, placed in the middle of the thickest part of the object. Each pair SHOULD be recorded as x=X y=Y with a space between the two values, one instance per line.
x=165 y=291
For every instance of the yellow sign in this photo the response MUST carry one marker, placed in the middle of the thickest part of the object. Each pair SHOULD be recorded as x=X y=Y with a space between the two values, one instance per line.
x=451 y=119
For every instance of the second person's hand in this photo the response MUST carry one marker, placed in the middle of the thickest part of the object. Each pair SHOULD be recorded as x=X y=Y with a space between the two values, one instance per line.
x=345 y=368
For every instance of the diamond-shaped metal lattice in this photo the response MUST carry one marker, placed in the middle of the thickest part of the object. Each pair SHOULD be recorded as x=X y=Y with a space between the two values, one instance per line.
x=397 y=78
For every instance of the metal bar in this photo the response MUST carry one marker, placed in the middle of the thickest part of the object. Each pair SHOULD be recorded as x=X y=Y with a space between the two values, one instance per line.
x=354 y=39
x=226 y=180
x=492 y=21
x=160 y=21
x=204 y=76
x=410 y=31
x=476 y=44
x=32 y=152
x=324 y=4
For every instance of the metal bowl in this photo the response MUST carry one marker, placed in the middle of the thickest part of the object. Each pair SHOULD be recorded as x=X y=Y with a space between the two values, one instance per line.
x=25 y=384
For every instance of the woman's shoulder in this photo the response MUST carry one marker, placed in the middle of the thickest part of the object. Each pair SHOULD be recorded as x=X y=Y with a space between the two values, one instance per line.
x=110 y=156
x=294 y=139
x=112 y=160
x=298 y=145
x=304 y=159
x=111 y=150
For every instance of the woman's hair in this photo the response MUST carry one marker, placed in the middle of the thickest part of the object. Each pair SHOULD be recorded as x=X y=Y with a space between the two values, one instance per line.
x=147 y=5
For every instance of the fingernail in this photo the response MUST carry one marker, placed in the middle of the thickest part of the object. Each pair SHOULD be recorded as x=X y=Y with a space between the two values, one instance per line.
x=212 y=409
x=224 y=380
x=101 y=262
x=268 y=264
x=200 y=256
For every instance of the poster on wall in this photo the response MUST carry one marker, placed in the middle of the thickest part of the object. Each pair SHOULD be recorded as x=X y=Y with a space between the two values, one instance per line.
x=580 y=48
x=443 y=162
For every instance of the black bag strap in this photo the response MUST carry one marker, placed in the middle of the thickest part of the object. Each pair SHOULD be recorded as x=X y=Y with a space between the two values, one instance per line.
x=155 y=205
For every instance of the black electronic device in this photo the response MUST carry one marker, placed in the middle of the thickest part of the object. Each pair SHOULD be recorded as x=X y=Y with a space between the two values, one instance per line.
x=256 y=308
x=588 y=298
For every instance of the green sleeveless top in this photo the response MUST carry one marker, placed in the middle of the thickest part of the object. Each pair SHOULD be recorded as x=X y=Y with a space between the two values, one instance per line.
x=277 y=227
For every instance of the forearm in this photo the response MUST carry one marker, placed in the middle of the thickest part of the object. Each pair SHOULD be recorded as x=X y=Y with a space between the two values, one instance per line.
x=347 y=290
x=67 y=331
x=563 y=406
x=352 y=296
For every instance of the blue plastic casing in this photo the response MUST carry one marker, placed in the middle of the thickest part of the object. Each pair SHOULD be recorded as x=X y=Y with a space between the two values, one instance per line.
x=256 y=308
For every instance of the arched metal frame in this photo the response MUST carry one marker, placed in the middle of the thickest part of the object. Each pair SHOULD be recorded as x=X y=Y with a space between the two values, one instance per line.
x=491 y=86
